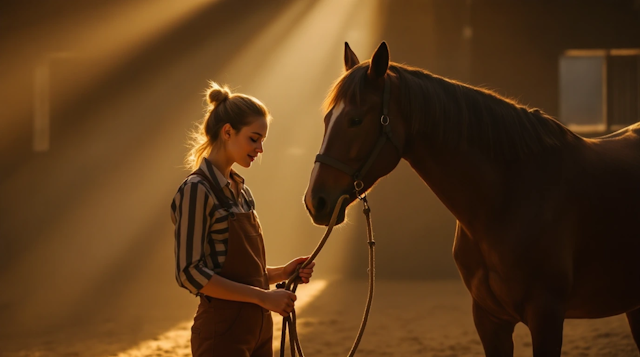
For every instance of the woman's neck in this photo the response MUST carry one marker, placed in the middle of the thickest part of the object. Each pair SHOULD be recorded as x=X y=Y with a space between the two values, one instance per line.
x=220 y=162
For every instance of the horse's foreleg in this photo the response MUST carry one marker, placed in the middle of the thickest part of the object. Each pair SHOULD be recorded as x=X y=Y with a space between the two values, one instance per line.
x=545 y=319
x=495 y=334
x=634 y=322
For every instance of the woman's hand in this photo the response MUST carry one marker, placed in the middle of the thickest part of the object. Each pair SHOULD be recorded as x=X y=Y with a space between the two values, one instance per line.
x=279 y=300
x=304 y=274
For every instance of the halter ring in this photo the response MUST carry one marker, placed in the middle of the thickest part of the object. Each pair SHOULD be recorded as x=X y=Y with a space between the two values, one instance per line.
x=384 y=119
x=358 y=185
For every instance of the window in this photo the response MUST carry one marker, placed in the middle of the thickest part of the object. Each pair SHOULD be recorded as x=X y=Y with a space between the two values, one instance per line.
x=599 y=89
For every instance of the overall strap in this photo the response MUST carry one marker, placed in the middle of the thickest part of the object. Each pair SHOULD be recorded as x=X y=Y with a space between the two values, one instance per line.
x=215 y=189
x=248 y=198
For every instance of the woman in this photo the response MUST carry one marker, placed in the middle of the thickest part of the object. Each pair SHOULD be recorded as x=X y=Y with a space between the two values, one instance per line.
x=219 y=249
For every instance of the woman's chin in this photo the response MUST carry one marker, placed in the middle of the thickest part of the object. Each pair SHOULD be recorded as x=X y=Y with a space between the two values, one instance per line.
x=246 y=162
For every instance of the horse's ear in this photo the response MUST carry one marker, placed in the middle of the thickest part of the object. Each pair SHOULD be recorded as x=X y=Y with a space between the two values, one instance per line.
x=350 y=58
x=379 y=62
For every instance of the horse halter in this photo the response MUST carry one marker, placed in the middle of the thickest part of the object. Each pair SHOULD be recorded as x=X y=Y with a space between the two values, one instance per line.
x=385 y=135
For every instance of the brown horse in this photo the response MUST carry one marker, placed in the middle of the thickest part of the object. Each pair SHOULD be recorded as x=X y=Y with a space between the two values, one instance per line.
x=548 y=221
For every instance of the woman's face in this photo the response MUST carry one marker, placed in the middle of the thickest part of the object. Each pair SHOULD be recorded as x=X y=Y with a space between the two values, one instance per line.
x=245 y=145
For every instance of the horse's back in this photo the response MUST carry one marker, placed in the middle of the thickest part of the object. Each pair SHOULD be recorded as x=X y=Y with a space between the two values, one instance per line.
x=606 y=210
x=633 y=129
x=612 y=160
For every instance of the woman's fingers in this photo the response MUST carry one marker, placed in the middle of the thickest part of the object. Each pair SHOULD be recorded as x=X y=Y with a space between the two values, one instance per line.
x=311 y=265
x=290 y=302
x=280 y=301
x=306 y=273
x=287 y=309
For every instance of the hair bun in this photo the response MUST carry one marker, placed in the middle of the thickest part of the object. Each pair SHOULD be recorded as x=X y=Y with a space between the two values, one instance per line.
x=217 y=94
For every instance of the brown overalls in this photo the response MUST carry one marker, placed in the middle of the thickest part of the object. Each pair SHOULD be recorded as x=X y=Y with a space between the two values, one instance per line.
x=225 y=328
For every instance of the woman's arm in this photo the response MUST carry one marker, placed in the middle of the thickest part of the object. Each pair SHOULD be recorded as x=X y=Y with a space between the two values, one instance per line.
x=191 y=207
x=222 y=288
x=279 y=300
x=276 y=274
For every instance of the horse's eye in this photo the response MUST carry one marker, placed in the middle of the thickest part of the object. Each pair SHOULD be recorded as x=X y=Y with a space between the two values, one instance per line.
x=355 y=122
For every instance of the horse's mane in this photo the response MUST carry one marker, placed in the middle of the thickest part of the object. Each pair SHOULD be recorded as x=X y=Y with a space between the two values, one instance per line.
x=446 y=113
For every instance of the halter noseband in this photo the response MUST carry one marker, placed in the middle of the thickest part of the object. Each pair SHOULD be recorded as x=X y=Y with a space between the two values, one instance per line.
x=358 y=175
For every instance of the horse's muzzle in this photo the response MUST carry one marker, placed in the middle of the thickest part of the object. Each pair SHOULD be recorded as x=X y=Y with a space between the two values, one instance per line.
x=320 y=209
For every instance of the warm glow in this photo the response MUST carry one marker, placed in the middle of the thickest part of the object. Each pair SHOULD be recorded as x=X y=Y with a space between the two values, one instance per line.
x=98 y=99
x=122 y=31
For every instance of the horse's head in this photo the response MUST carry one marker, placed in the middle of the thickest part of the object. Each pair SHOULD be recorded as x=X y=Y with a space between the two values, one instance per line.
x=363 y=135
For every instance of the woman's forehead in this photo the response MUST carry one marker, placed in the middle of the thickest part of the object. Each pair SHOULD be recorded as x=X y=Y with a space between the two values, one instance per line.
x=258 y=125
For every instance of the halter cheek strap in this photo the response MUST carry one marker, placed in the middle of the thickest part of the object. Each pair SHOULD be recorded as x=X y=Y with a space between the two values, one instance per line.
x=386 y=134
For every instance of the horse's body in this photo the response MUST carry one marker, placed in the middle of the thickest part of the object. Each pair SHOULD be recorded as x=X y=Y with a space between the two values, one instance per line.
x=547 y=220
x=567 y=218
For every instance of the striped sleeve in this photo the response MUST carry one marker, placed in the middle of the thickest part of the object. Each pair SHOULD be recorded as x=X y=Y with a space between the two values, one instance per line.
x=192 y=216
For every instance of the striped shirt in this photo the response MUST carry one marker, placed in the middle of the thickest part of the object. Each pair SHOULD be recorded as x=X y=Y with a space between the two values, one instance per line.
x=202 y=227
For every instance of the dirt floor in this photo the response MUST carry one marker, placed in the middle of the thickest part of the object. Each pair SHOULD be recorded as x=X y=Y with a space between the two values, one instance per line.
x=408 y=318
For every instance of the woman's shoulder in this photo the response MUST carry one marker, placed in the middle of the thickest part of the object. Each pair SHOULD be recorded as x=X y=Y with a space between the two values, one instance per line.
x=195 y=182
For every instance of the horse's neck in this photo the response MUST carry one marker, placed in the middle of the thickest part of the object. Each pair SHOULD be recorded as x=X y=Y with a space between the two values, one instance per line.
x=467 y=183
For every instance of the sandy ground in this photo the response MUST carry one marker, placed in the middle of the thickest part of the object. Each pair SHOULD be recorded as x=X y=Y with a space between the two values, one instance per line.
x=408 y=318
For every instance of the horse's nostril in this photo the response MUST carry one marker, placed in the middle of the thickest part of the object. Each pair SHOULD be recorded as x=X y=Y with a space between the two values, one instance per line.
x=321 y=204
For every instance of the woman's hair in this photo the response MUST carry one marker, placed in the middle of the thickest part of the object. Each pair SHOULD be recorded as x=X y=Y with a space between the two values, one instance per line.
x=239 y=110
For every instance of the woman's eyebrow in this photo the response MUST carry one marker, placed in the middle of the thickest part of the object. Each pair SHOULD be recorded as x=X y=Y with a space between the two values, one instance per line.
x=257 y=133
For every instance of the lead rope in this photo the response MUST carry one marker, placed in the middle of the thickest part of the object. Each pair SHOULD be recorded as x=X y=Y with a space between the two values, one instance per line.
x=292 y=283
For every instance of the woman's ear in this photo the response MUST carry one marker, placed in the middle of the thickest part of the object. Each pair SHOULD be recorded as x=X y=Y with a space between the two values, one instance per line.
x=226 y=131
